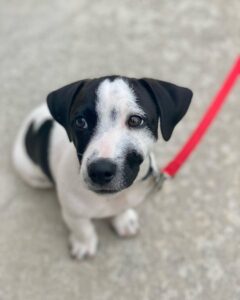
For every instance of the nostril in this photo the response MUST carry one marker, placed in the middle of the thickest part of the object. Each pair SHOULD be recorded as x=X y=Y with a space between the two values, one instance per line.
x=108 y=175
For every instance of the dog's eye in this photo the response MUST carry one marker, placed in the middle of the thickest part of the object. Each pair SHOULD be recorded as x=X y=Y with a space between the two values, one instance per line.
x=135 y=121
x=81 y=123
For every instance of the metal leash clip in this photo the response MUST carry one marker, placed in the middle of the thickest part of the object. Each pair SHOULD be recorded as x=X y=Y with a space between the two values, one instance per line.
x=159 y=179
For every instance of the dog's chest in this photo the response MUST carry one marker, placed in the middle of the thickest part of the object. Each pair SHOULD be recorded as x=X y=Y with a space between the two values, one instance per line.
x=81 y=202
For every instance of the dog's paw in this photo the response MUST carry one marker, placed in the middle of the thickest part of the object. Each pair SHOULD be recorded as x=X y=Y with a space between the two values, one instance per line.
x=80 y=249
x=126 y=224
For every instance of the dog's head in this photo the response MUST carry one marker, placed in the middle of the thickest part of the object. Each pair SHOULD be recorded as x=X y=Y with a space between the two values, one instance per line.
x=113 y=122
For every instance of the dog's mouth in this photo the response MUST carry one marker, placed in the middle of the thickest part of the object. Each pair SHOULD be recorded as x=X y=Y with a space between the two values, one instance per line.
x=104 y=191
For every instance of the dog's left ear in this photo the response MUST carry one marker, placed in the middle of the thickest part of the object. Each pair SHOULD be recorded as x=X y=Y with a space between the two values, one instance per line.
x=60 y=102
x=172 y=103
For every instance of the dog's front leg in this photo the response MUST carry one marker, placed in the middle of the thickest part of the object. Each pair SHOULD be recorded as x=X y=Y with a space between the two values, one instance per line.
x=126 y=224
x=83 y=238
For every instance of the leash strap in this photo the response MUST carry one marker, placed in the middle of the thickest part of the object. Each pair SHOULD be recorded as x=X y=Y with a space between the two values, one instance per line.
x=171 y=169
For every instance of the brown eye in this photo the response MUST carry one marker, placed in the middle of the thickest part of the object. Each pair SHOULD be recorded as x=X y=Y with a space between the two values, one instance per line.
x=135 y=121
x=81 y=123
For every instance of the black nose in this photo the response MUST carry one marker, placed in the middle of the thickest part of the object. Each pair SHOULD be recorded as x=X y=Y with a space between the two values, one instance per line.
x=102 y=171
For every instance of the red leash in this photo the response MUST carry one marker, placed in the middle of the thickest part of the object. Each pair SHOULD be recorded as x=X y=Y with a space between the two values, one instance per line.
x=173 y=167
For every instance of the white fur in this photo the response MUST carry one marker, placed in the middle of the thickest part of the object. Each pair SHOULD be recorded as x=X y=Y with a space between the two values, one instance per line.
x=79 y=204
x=126 y=224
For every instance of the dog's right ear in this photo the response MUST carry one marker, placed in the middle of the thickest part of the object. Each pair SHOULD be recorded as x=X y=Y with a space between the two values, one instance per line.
x=60 y=102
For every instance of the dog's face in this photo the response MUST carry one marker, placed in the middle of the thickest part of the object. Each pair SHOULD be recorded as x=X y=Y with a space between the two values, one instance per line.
x=113 y=122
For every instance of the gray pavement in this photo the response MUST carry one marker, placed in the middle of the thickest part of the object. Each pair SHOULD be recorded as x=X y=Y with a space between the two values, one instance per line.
x=189 y=246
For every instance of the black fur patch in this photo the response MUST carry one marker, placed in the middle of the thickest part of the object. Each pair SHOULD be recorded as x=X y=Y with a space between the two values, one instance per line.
x=84 y=106
x=147 y=105
x=37 y=145
x=131 y=167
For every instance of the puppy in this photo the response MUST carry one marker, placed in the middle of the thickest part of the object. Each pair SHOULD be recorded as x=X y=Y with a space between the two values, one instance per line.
x=92 y=140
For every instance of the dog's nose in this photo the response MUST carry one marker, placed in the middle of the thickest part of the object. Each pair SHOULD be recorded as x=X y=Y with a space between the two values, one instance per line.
x=102 y=171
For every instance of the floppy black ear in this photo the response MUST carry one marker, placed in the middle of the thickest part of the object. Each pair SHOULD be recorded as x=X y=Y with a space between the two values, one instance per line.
x=172 y=102
x=60 y=101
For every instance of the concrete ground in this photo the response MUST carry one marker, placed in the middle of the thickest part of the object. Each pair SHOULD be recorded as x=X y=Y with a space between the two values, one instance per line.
x=189 y=246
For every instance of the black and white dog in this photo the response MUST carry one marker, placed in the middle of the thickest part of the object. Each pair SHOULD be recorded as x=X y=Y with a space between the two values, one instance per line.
x=98 y=153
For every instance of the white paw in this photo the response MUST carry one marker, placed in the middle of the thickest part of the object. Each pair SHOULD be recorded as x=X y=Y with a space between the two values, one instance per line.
x=81 y=249
x=126 y=224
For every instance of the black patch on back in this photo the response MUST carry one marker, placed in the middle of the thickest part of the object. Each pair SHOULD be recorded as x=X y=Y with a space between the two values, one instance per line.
x=37 y=145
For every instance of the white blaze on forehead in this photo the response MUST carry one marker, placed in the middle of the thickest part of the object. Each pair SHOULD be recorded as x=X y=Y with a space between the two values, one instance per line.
x=116 y=95
x=115 y=102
